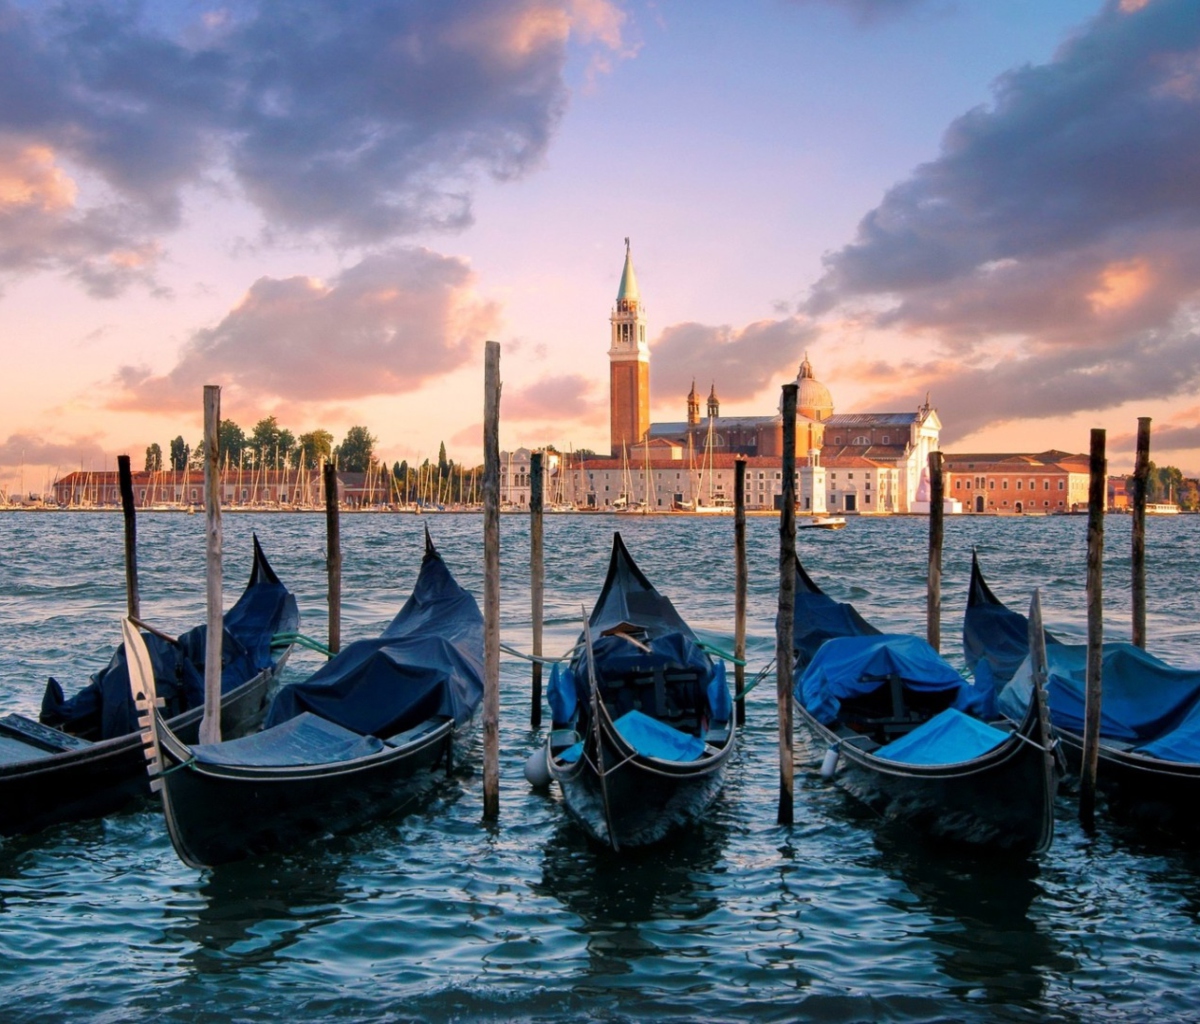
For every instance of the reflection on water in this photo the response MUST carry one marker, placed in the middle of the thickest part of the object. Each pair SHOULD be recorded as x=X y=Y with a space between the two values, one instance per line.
x=252 y=912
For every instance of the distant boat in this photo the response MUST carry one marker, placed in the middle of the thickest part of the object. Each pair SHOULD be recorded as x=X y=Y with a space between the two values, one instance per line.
x=822 y=523
x=1161 y=508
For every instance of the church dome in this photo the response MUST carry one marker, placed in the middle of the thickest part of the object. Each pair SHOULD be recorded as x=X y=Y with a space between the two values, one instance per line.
x=813 y=398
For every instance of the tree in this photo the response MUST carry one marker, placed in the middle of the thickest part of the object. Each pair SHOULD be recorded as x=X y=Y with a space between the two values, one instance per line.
x=231 y=441
x=154 y=458
x=315 y=448
x=270 y=442
x=356 y=453
x=179 y=453
x=443 y=463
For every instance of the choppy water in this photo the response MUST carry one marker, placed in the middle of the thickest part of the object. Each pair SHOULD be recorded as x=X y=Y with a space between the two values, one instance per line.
x=436 y=917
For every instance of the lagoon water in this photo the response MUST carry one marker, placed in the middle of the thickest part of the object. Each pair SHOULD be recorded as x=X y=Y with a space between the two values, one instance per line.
x=436 y=917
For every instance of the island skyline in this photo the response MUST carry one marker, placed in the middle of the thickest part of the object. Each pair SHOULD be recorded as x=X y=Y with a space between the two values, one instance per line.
x=994 y=208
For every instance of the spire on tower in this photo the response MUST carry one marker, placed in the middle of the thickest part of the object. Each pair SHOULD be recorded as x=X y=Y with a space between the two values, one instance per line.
x=628 y=296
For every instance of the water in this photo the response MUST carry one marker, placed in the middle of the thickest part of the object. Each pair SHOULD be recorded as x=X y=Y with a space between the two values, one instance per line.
x=435 y=917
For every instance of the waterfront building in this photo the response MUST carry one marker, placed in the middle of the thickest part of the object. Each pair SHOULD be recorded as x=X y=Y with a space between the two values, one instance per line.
x=1051 y=481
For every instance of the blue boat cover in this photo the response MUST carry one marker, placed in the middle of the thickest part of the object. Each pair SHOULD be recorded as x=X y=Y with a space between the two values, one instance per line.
x=427 y=662
x=1180 y=744
x=853 y=666
x=305 y=739
x=948 y=738
x=720 y=700
x=562 y=694
x=652 y=738
x=1143 y=698
x=265 y=608
x=628 y=596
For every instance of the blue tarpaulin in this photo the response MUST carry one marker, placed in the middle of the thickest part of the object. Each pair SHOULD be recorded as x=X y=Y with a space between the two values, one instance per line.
x=853 y=666
x=653 y=738
x=306 y=739
x=1143 y=698
x=429 y=661
x=948 y=738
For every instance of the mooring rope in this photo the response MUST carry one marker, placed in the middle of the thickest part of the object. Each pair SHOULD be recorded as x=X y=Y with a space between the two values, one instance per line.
x=299 y=639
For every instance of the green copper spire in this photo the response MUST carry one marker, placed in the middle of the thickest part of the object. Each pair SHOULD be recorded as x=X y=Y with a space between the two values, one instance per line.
x=628 y=292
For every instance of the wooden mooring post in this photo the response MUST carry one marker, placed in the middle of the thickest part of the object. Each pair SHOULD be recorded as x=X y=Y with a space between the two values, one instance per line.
x=536 y=578
x=784 y=627
x=1141 y=478
x=491 y=581
x=133 y=602
x=210 y=724
x=739 y=586
x=333 y=556
x=1097 y=489
x=933 y=596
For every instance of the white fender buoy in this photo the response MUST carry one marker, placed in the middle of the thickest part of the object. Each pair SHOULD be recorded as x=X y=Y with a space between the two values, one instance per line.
x=537 y=771
x=829 y=765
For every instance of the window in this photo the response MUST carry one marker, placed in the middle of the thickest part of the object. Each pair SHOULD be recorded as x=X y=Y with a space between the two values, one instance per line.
x=1033 y=485
x=1019 y=482
x=1060 y=487
x=991 y=485
x=851 y=475
x=886 y=439
x=1004 y=486
x=1046 y=484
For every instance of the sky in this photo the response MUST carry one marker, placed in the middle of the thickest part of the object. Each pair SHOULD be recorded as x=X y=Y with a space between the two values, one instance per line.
x=328 y=207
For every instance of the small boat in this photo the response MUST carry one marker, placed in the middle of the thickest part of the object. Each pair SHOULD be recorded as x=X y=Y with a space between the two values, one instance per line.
x=355 y=741
x=1149 y=750
x=642 y=717
x=83 y=758
x=905 y=733
x=821 y=523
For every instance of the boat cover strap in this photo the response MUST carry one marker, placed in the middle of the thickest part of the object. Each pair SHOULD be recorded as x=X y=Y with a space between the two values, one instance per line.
x=948 y=738
x=305 y=739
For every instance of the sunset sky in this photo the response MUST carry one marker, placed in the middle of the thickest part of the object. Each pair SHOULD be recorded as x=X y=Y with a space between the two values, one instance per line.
x=328 y=207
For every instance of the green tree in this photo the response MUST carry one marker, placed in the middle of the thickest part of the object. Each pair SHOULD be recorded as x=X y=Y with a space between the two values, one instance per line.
x=443 y=463
x=315 y=448
x=271 y=443
x=231 y=442
x=154 y=458
x=357 y=451
x=179 y=453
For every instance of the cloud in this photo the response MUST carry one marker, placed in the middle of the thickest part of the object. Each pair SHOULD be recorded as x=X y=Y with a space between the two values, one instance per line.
x=1057 y=229
x=383 y=327
x=23 y=449
x=740 y=361
x=571 y=397
x=362 y=121
x=866 y=12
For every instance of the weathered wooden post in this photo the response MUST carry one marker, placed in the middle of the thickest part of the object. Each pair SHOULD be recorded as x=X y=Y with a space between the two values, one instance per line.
x=1141 y=476
x=125 y=479
x=536 y=577
x=210 y=724
x=787 y=605
x=933 y=597
x=491 y=581
x=1097 y=489
x=333 y=556
x=739 y=587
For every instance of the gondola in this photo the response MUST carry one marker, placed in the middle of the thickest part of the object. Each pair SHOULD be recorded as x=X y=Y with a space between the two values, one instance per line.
x=1149 y=750
x=901 y=730
x=83 y=758
x=642 y=717
x=355 y=741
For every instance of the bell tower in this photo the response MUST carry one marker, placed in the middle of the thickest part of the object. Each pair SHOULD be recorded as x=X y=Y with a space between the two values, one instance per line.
x=629 y=365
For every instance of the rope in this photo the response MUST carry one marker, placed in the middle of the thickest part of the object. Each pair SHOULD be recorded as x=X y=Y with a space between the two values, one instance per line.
x=723 y=655
x=299 y=639
x=757 y=679
x=536 y=658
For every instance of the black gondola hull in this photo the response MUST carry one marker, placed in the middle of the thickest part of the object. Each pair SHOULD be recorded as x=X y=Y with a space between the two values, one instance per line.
x=233 y=813
x=1001 y=801
x=103 y=777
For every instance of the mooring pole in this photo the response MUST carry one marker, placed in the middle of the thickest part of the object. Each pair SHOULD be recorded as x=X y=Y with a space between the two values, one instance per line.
x=739 y=586
x=491 y=581
x=1141 y=477
x=210 y=724
x=333 y=556
x=787 y=605
x=125 y=478
x=1097 y=487
x=536 y=578
x=933 y=597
